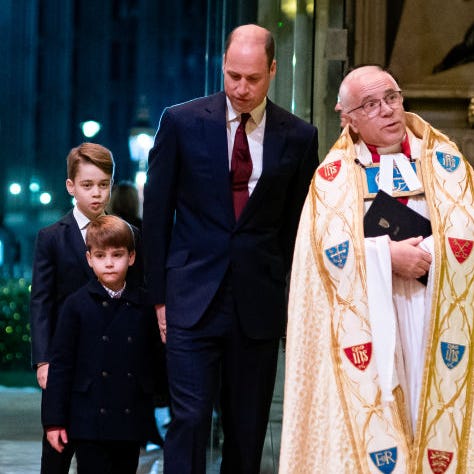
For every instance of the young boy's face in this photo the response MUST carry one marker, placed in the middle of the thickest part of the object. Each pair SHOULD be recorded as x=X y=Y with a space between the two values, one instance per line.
x=91 y=188
x=110 y=265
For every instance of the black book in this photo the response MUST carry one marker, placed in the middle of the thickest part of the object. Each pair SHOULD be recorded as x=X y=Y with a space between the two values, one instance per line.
x=389 y=216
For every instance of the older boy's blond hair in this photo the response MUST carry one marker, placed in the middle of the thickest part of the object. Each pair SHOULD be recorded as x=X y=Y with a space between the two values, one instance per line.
x=93 y=153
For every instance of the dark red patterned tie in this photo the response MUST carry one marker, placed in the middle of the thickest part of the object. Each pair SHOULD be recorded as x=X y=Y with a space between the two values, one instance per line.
x=240 y=167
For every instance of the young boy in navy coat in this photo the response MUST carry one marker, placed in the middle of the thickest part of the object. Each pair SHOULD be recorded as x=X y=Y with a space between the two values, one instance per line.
x=101 y=376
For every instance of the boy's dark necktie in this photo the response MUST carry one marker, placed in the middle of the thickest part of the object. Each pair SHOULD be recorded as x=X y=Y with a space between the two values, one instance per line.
x=240 y=167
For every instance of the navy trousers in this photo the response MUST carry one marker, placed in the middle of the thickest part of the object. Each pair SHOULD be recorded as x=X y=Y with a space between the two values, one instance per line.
x=215 y=356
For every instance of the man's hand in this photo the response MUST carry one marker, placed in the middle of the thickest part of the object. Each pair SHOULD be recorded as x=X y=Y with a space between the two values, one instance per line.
x=42 y=375
x=409 y=260
x=57 y=438
x=161 y=317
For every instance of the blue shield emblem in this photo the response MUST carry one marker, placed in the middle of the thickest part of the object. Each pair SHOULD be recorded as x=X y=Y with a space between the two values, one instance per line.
x=372 y=175
x=385 y=460
x=337 y=255
x=449 y=162
x=452 y=353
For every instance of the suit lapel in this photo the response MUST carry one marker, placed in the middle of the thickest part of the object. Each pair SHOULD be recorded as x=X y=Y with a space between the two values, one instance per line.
x=215 y=134
x=76 y=243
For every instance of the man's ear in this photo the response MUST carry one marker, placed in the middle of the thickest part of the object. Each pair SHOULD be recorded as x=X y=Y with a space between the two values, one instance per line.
x=89 y=258
x=346 y=119
x=131 y=258
x=273 y=69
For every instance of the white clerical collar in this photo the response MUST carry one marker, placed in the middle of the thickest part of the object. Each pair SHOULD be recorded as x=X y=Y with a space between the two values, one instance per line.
x=257 y=113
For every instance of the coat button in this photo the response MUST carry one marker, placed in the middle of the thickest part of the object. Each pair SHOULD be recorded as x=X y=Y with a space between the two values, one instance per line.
x=127 y=411
x=105 y=338
x=129 y=339
x=102 y=411
x=105 y=373
x=129 y=375
x=105 y=304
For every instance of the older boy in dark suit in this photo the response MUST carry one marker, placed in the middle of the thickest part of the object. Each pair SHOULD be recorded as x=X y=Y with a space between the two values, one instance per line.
x=100 y=384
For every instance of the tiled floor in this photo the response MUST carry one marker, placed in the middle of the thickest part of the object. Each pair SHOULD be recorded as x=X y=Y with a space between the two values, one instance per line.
x=20 y=435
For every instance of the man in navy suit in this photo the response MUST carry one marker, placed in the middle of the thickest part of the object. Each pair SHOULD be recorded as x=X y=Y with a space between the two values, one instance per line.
x=218 y=280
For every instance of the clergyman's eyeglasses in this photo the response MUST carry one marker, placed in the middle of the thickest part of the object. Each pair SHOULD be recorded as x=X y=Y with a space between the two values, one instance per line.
x=372 y=106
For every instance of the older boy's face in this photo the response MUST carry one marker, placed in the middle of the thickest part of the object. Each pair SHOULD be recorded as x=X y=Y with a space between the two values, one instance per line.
x=110 y=265
x=91 y=189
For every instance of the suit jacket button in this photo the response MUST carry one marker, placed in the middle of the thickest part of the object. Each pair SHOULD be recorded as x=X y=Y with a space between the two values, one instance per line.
x=129 y=375
x=105 y=304
x=129 y=339
x=105 y=373
x=127 y=411
x=105 y=338
x=102 y=411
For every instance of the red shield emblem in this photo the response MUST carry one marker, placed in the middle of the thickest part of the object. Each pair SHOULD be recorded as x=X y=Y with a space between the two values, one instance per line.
x=330 y=171
x=359 y=355
x=461 y=248
x=439 y=460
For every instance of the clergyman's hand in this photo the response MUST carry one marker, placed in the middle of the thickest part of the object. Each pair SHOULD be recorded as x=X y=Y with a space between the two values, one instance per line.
x=408 y=259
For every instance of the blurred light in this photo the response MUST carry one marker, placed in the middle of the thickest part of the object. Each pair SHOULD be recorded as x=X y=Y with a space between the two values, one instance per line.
x=34 y=186
x=145 y=141
x=90 y=128
x=45 y=198
x=140 y=178
x=141 y=135
x=140 y=144
x=289 y=8
x=15 y=188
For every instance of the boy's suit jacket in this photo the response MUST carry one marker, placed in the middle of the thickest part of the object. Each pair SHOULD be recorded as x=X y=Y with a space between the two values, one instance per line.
x=60 y=268
x=191 y=235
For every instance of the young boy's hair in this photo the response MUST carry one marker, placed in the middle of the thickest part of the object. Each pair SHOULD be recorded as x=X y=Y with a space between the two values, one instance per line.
x=109 y=231
x=93 y=153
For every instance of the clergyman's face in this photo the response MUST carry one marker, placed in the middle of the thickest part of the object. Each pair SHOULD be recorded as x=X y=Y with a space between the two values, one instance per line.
x=247 y=75
x=388 y=126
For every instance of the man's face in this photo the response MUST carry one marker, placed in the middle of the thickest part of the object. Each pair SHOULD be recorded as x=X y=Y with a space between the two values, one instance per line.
x=246 y=75
x=387 y=127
